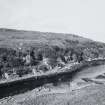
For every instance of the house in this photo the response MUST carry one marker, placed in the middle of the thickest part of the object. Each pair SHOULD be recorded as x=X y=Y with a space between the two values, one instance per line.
x=68 y=57
x=74 y=57
x=60 y=62
x=6 y=76
x=28 y=59
x=44 y=64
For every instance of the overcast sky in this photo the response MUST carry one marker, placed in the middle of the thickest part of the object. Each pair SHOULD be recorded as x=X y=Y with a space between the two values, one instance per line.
x=82 y=17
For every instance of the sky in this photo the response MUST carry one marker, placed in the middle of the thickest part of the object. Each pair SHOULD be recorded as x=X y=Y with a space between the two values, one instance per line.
x=81 y=17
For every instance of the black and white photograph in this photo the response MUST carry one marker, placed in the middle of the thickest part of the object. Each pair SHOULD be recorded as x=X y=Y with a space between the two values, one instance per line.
x=52 y=52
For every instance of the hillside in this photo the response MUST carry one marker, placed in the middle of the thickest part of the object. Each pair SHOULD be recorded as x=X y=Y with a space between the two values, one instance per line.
x=13 y=38
x=44 y=50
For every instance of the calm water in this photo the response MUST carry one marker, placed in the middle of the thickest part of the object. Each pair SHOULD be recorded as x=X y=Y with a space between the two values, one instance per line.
x=89 y=72
x=77 y=78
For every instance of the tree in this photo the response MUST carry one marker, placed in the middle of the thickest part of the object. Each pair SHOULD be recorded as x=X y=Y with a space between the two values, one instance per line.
x=90 y=53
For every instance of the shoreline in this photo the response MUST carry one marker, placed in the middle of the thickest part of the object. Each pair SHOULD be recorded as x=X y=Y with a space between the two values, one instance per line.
x=68 y=68
x=24 y=85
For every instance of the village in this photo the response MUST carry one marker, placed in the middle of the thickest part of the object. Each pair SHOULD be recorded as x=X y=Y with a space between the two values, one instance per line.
x=31 y=63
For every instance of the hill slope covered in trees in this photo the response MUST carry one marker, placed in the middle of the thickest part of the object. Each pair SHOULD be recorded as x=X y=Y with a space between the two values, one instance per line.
x=20 y=48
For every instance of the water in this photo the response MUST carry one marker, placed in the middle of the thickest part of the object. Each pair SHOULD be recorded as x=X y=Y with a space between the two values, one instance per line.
x=76 y=81
x=91 y=73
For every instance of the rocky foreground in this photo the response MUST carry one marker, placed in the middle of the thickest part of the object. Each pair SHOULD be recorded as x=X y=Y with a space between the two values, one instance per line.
x=89 y=95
